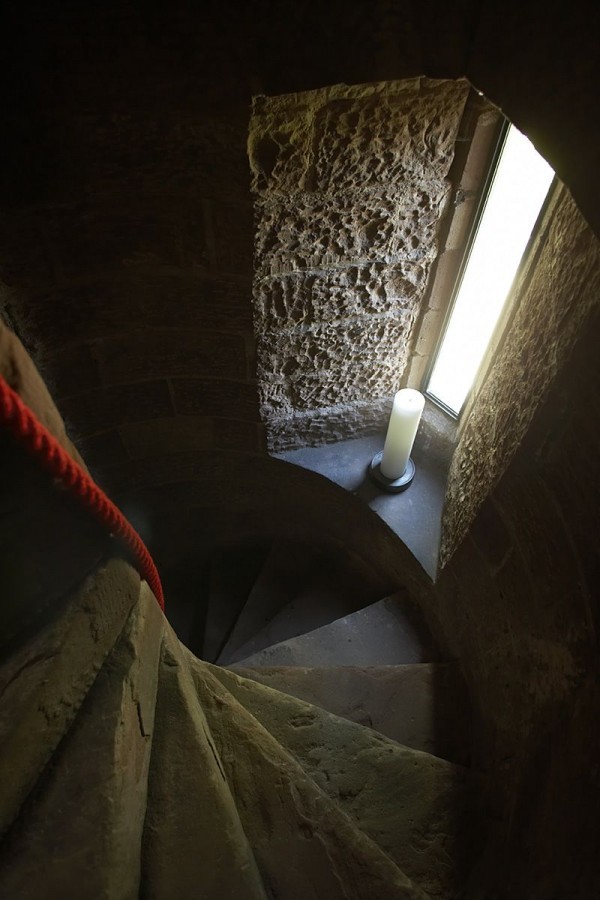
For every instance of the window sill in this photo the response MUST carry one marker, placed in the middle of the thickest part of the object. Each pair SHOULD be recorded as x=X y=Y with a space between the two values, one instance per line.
x=415 y=515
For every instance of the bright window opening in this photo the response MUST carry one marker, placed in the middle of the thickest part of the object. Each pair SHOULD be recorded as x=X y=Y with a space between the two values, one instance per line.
x=519 y=187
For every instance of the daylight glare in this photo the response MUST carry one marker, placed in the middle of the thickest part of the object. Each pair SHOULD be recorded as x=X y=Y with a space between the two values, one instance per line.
x=518 y=191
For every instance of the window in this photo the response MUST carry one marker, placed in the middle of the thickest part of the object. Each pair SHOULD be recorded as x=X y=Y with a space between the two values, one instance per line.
x=518 y=189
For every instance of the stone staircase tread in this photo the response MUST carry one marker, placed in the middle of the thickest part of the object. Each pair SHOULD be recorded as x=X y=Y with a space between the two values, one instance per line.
x=233 y=572
x=417 y=807
x=328 y=595
x=285 y=570
x=424 y=705
x=335 y=853
x=389 y=632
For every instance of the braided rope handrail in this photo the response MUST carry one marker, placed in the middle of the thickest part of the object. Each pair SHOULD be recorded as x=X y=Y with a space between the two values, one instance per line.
x=54 y=459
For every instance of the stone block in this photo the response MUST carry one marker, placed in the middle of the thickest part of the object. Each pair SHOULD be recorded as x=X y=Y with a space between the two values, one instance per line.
x=388 y=135
x=421 y=706
x=95 y=797
x=45 y=683
x=308 y=839
x=279 y=140
x=389 y=632
x=171 y=353
x=321 y=232
x=174 y=434
x=345 y=138
x=213 y=302
x=351 y=187
x=105 y=408
x=325 y=365
x=236 y=434
x=103 y=449
x=192 y=806
x=90 y=239
x=303 y=298
x=71 y=370
x=212 y=397
x=289 y=429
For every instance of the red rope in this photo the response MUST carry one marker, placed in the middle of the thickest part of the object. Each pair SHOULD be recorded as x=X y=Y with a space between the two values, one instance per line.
x=51 y=456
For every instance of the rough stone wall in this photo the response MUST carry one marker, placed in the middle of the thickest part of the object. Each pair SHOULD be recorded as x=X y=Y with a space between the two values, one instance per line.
x=350 y=186
x=554 y=297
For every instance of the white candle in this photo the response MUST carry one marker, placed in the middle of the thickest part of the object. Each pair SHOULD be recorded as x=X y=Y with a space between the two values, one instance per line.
x=404 y=421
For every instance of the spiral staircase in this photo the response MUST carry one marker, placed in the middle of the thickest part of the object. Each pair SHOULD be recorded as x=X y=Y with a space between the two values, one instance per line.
x=302 y=620
x=354 y=689
x=287 y=733
x=324 y=755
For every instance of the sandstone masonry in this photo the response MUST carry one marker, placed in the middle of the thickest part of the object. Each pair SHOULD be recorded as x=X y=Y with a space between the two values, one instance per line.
x=350 y=186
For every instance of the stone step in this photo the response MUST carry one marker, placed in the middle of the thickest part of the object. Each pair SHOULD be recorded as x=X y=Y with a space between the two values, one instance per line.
x=423 y=706
x=297 y=818
x=415 y=806
x=389 y=632
x=331 y=592
x=285 y=570
x=233 y=572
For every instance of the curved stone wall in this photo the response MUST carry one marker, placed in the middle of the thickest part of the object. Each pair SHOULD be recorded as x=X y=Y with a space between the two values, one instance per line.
x=518 y=602
x=126 y=113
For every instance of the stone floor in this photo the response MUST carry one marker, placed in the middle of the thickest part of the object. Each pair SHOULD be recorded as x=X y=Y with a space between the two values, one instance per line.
x=390 y=632
x=414 y=515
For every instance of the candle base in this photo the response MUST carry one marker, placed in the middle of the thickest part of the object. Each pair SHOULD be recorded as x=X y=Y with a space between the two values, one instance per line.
x=392 y=485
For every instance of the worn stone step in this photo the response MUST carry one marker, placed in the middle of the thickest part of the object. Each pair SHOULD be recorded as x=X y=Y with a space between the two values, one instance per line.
x=76 y=716
x=44 y=683
x=330 y=592
x=389 y=632
x=285 y=570
x=305 y=839
x=424 y=706
x=233 y=572
x=415 y=806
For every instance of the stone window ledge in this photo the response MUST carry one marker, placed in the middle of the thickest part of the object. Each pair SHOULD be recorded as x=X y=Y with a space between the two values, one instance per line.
x=415 y=515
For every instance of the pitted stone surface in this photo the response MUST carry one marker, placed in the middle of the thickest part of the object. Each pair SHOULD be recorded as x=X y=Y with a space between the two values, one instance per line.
x=310 y=373
x=317 y=230
x=307 y=296
x=331 y=423
x=350 y=187
x=326 y=135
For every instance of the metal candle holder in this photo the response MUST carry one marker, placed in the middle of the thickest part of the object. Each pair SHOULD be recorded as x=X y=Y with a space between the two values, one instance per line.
x=392 y=485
